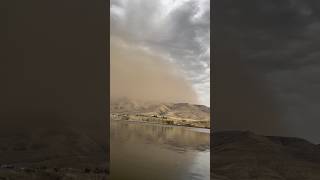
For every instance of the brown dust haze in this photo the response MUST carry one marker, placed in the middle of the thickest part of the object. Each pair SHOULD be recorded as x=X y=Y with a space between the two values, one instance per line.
x=139 y=75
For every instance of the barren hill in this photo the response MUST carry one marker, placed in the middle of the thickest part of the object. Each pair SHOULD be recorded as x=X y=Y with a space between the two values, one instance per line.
x=244 y=155
x=50 y=154
x=170 y=113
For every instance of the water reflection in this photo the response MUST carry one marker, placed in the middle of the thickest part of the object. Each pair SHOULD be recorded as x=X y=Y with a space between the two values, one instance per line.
x=148 y=151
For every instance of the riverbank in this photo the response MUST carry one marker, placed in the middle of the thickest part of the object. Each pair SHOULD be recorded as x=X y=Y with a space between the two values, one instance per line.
x=164 y=120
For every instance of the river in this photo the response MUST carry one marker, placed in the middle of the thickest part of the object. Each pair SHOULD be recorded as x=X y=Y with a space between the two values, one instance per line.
x=159 y=152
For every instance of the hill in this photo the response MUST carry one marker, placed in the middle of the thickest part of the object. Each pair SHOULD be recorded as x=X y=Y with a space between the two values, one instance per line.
x=183 y=114
x=48 y=155
x=239 y=155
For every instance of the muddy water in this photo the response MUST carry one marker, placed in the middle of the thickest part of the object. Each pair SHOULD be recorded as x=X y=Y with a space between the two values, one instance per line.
x=157 y=152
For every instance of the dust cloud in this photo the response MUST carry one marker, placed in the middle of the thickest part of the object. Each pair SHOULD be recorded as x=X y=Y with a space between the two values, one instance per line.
x=140 y=75
x=242 y=98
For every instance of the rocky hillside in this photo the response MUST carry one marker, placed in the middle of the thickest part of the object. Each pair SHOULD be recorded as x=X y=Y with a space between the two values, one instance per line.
x=180 y=110
x=184 y=114
x=244 y=155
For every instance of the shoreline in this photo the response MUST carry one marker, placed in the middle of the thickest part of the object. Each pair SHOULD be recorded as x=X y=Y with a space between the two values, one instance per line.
x=159 y=123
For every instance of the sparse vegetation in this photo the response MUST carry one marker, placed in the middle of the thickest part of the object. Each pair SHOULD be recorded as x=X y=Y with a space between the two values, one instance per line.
x=178 y=114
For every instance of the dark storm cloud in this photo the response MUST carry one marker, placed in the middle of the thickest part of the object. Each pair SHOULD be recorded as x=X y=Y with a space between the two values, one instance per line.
x=278 y=40
x=178 y=30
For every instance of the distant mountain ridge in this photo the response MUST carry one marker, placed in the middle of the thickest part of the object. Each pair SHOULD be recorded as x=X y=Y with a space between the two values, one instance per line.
x=176 y=110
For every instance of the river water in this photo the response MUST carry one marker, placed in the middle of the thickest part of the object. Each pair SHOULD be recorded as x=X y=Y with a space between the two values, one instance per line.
x=158 y=152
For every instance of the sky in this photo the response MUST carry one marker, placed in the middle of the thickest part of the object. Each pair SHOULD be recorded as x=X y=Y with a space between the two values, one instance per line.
x=175 y=33
x=269 y=51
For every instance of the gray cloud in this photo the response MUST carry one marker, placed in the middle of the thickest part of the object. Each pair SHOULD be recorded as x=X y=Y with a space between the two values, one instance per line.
x=280 y=41
x=177 y=30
